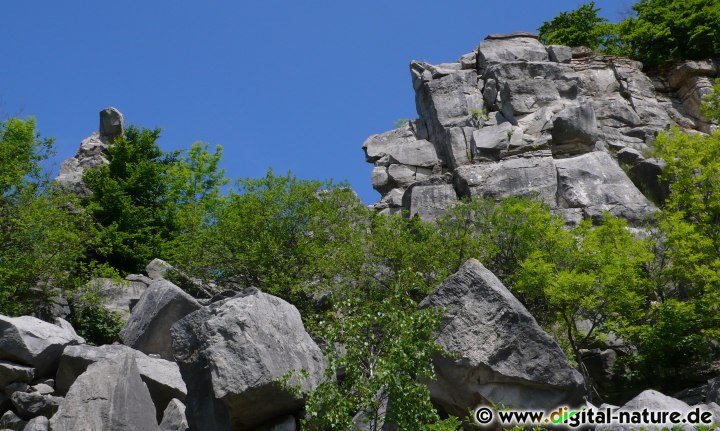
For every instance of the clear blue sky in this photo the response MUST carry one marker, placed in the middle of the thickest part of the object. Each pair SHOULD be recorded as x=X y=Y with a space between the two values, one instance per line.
x=292 y=85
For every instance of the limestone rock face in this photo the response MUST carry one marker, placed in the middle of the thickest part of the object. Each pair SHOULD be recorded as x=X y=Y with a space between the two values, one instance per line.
x=162 y=377
x=91 y=152
x=503 y=355
x=231 y=352
x=110 y=395
x=148 y=328
x=515 y=117
x=30 y=341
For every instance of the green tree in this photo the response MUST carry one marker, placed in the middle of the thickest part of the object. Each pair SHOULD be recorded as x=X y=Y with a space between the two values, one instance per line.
x=41 y=241
x=665 y=30
x=130 y=201
x=580 y=27
x=594 y=274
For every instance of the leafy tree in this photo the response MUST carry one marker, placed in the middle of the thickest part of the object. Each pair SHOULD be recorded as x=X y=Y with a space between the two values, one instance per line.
x=130 y=201
x=382 y=355
x=40 y=240
x=581 y=27
x=588 y=273
x=710 y=106
x=665 y=30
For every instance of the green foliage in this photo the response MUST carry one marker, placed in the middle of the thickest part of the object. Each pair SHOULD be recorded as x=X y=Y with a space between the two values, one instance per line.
x=40 y=240
x=710 y=106
x=581 y=27
x=660 y=30
x=382 y=352
x=401 y=122
x=89 y=317
x=665 y=30
x=130 y=201
x=588 y=273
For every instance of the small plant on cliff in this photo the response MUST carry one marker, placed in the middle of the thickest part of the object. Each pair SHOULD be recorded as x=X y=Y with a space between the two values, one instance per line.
x=401 y=123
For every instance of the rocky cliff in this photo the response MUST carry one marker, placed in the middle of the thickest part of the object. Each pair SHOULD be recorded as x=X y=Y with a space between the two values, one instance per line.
x=517 y=118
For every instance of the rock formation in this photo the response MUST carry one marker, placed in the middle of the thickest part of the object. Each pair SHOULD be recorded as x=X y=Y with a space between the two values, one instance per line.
x=516 y=118
x=91 y=152
x=501 y=353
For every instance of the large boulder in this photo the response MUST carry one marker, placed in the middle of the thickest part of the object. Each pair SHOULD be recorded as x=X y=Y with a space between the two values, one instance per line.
x=231 y=354
x=10 y=373
x=118 y=296
x=652 y=401
x=110 y=395
x=500 y=353
x=32 y=404
x=522 y=176
x=162 y=377
x=595 y=183
x=30 y=341
x=511 y=47
x=173 y=418
x=148 y=328
x=713 y=393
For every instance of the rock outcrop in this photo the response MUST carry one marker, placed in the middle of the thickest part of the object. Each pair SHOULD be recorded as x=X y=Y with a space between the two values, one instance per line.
x=30 y=341
x=91 y=152
x=231 y=354
x=516 y=118
x=110 y=395
x=160 y=306
x=501 y=353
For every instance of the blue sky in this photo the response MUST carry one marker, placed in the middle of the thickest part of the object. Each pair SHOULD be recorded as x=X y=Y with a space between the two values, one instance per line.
x=296 y=86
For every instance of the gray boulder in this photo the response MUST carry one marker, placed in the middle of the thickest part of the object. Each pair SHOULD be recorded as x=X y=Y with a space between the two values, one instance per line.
x=232 y=352
x=595 y=183
x=110 y=395
x=174 y=417
x=31 y=404
x=575 y=130
x=645 y=174
x=650 y=400
x=162 y=377
x=510 y=47
x=161 y=305
x=158 y=269
x=430 y=201
x=713 y=393
x=30 y=341
x=559 y=53
x=112 y=123
x=118 y=296
x=501 y=354
x=523 y=176
x=10 y=373
x=40 y=423
x=11 y=421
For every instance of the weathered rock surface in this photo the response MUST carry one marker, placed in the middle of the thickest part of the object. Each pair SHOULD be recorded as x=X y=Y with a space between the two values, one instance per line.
x=231 y=352
x=31 y=404
x=40 y=423
x=91 y=152
x=713 y=393
x=515 y=117
x=503 y=354
x=173 y=418
x=162 y=377
x=652 y=401
x=33 y=342
x=161 y=305
x=110 y=395
x=10 y=372
x=11 y=421
x=119 y=296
